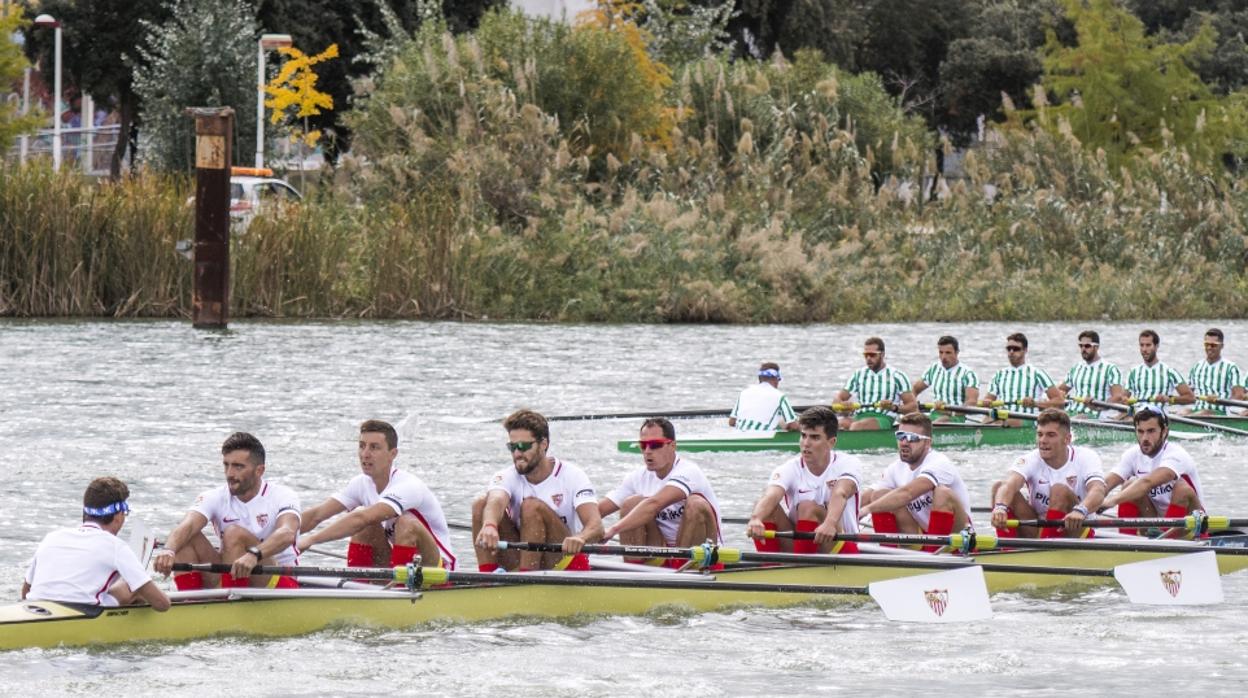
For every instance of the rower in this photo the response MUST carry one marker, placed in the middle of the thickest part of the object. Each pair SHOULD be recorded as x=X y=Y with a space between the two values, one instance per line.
x=881 y=390
x=668 y=502
x=762 y=407
x=921 y=491
x=89 y=564
x=1022 y=387
x=1092 y=379
x=1153 y=383
x=1215 y=376
x=256 y=521
x=1063 y=482
x=1158 y=477
x=393 y=515
x=816 y=491
x=951 y=382
x=541 y=499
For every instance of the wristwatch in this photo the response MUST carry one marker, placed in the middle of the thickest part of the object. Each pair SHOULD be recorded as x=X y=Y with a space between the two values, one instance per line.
x=255 y=550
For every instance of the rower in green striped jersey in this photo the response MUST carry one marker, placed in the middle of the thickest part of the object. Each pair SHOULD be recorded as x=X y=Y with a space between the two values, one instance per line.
x=762 y=407
x=1153 y=383
x=1020 y=386
x=882 y=392
x=950 y=381
x=1215 y=376
x=1092 y=379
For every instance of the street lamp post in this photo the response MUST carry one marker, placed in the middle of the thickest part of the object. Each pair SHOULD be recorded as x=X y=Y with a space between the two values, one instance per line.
x=46 y=20
x=268 y=42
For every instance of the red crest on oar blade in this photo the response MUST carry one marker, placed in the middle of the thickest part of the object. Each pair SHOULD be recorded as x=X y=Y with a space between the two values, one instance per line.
x=937 y=599
x=1172 y=580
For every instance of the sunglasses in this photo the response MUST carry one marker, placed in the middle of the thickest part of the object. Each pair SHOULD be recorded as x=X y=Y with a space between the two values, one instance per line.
x=911 y=437
x=1212 y=345
x=870 y=354
x=653 y=444
x=1088 y=346
x=1013 y=349
x=520 y=446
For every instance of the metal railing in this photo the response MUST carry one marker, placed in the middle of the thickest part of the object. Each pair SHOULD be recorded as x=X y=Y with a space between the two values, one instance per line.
x=88 y=149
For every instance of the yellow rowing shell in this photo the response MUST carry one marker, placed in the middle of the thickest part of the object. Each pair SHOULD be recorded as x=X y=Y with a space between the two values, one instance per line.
x=276 y=612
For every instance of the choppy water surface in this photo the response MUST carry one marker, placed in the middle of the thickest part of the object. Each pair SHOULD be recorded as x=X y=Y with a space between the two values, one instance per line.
x=151 y=402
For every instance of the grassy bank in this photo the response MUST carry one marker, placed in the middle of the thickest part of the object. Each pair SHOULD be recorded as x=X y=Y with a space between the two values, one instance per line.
x=746 y=192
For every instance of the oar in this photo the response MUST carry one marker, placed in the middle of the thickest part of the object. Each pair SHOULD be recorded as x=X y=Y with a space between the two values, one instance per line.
x=962 y=594
x=685 y=414
x=1226 y=402
x=1175 y=418
x=1011 y=414
x=1207 y=523
x=1137 y=579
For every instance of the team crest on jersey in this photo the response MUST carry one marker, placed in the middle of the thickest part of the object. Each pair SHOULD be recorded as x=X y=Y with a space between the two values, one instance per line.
x=938 y=600
x=262 y=520
x=498 y=479
x=1172 y=580
x=1070 y=481
x=775 y=476
x=557 y=499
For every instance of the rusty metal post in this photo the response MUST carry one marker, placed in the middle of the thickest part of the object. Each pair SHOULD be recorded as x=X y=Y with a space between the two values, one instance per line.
x=214 y=129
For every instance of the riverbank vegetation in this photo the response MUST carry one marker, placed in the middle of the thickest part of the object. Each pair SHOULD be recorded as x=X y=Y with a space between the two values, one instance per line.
x=530 y=170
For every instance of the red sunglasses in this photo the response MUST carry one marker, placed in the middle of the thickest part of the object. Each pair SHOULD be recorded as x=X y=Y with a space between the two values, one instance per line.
x=653 y=444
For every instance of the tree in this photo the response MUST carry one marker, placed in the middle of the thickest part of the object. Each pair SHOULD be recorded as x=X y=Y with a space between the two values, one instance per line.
x=203 y=56
x=12 y=63
x=295 y=88
x=100 y=53
x=1121 y=90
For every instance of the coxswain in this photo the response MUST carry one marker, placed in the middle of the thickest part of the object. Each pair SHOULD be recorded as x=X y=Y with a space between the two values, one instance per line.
x=256 y=521
x=1064 y=482
x=393 y=516
x=540 y=499
x=89 y=564
x=762 y=407
x=816 y=491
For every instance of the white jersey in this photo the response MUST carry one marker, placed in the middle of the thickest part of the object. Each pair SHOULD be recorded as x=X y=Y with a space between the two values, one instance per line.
x=1173 y=457
x=801 y=485
x=78 y=565
x=404 y=493
x=935 y=467
x=259 y=516
x=1082 y=467
x=762 y=407
x=686 y=476
x=566 y=488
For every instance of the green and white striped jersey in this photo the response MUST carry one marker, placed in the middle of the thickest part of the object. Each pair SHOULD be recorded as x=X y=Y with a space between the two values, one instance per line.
x=948 y=385
x=1213 y=379
x=1144 y=382
x=762 y=407
x=869 y=387
x=1013 y=383
x=1090 y=380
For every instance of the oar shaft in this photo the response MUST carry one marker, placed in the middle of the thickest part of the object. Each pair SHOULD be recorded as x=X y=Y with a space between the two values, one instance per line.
x=1226 y=402
x=378 y=573
x=659 y=582
x=1178 y=419
x=1214 y=523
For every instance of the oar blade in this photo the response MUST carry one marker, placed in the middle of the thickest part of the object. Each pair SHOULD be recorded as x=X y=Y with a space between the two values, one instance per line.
x=955 y=596
x=142 y=540
x=1179 y=580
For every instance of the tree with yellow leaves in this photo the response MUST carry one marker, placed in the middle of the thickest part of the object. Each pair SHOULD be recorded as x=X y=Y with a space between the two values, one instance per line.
x=293 y=94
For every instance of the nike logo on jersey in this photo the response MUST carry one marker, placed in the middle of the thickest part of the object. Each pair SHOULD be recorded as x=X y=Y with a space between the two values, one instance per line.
x=229 y=520
x=800 y=491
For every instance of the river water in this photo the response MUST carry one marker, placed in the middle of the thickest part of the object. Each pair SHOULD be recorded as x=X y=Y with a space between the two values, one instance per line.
x=151 y=402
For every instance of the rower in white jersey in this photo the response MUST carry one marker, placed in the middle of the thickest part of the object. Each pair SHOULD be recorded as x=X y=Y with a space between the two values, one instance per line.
x=256 y=521
x=1153 y=383
x=1063 y=482
x=921 y=491
x=881 y=391
x=669 y=502
x=89 y=564
x=393 y=515
x=815 y=492
x=1215 y=377
x=951 y=382
x=1092 y=379
x=1158 y=477
x=540 y=499
x=762 y=407
x=1021 y=387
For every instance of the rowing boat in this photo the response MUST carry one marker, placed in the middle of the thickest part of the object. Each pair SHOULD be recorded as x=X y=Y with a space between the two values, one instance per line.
x=944 y=436
x=286 y=612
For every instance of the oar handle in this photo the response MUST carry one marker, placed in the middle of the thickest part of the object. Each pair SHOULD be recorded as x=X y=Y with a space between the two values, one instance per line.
x=706 y=554
x=396 y=574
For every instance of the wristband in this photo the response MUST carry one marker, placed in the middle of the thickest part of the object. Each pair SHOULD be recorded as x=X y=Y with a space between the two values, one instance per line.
x=1081 y=509
x=490 y=523
x=1001 y=505
x=162 y=551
